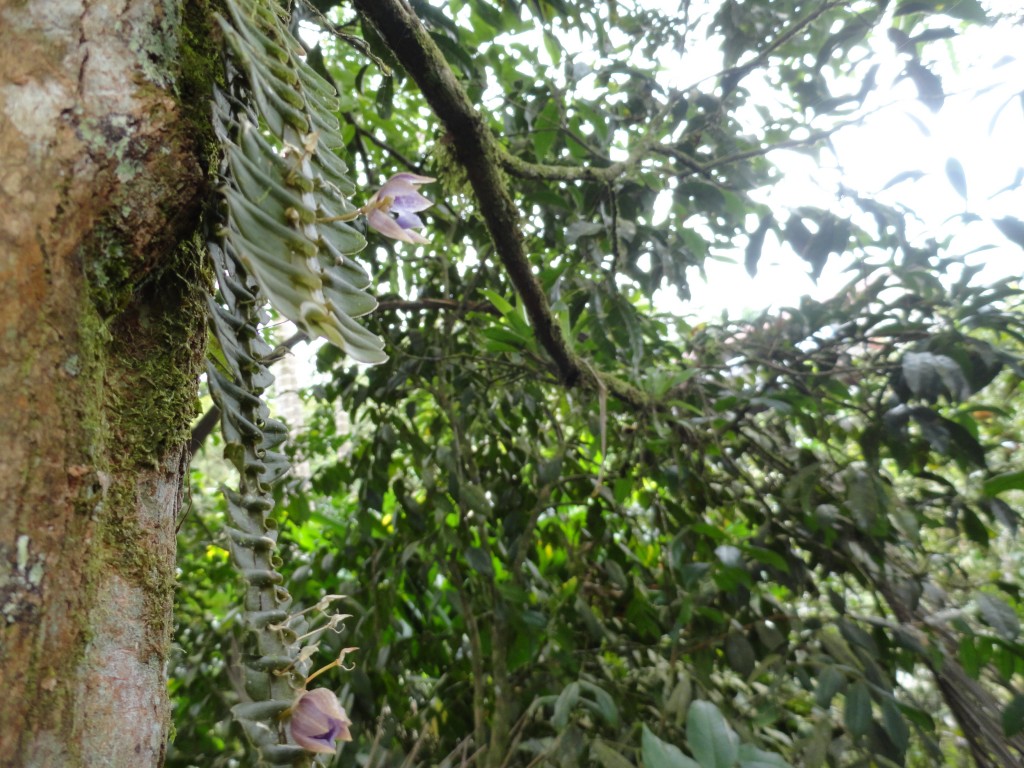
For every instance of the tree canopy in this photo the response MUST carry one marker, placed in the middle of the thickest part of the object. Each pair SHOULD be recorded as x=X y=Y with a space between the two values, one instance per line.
x=570 y=524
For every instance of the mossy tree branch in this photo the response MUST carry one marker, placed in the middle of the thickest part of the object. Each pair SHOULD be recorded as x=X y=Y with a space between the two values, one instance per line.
x=478 y=152
x=483 y=159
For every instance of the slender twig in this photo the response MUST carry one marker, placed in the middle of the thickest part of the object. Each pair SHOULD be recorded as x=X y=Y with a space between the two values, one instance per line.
x=349 y=118
x=338 y=31
x=517 y=734
x=732 y=77
x=476 y=659
x=416 y=304
x=609 y=173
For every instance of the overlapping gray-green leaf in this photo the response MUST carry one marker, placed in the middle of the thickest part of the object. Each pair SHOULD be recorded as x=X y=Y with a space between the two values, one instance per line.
x=286 y=189
x=282 y=238
x=274 y=666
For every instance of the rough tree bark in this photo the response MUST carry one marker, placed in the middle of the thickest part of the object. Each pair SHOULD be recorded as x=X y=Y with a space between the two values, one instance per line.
x=101 y=338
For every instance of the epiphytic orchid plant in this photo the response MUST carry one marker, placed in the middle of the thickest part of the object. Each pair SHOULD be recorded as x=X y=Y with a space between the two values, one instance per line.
x=266 y=246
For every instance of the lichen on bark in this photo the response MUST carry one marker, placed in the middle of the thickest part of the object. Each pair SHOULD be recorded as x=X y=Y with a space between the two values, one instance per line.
x=100 y=300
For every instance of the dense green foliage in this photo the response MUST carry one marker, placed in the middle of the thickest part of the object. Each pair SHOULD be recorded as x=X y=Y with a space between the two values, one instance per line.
x=786 y=540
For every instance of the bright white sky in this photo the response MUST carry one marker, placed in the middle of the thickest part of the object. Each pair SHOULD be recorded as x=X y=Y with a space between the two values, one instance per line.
x=889 y=142
x=900 y=135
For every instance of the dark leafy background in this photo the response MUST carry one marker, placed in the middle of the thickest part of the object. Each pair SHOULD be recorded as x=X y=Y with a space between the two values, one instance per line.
x=786 y=540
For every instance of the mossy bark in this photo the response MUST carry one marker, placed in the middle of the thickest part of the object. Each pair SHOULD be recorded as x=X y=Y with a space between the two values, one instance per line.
x=101 y=183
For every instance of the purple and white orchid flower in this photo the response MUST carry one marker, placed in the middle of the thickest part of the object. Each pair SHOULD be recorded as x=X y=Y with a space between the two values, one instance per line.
x=318 y=721
x=400 y=196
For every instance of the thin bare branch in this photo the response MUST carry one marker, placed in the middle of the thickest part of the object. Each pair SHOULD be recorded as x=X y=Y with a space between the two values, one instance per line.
x=419 y=304
x=732 y=77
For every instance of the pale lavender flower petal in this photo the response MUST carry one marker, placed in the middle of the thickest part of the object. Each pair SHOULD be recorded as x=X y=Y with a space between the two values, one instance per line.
x=318 y=721
x=387 y=226
x=416 y=237
x=409 y=221
x=399 y=196
x=413 y=201
x=412 y=178
x=404 y=196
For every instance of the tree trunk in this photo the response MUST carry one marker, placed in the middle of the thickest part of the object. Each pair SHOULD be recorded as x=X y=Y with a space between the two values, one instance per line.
x=102 y=337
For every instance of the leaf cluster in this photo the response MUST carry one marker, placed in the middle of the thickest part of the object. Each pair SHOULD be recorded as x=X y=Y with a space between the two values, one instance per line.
x=786 y=540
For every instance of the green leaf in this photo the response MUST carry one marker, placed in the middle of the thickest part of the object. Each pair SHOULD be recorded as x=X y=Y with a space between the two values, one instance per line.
x=480 y=561
x=857 y=710
x=752 y=757
x=957 y=177
x=755 y=244
x=1013 y=717
x=564 y=705
x=816 y=751
x=998 y=614
x=606 y=756
x=1012 y=228
x=968 y=10
x=499 y=302
x=913 y=6
x=490 y=15
x=929 y=376
x=973 y=527
x=928 y=84
x=659 y=754
x=930 y=35
x=604 y=704
x=712 y=742
x=456 y=54
x=579 y=229
x=1007 y=481
x=385 y=99
x=553 y=47
x=899 y=178
x=679 y=700
x=894 y=724
x=868 y=500
x=970 y=656
x=473 y=496
x=1003 y=513
x=830 y=682
x=739 y=653
x=949 y=438
x=545 y=130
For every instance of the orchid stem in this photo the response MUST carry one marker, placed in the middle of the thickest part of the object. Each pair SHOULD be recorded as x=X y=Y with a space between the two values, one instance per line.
x=335 y=663
x=383 y=204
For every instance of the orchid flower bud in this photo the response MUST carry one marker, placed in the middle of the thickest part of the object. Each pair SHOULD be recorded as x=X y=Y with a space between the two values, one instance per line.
x=318 y=721
x=400 y=196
